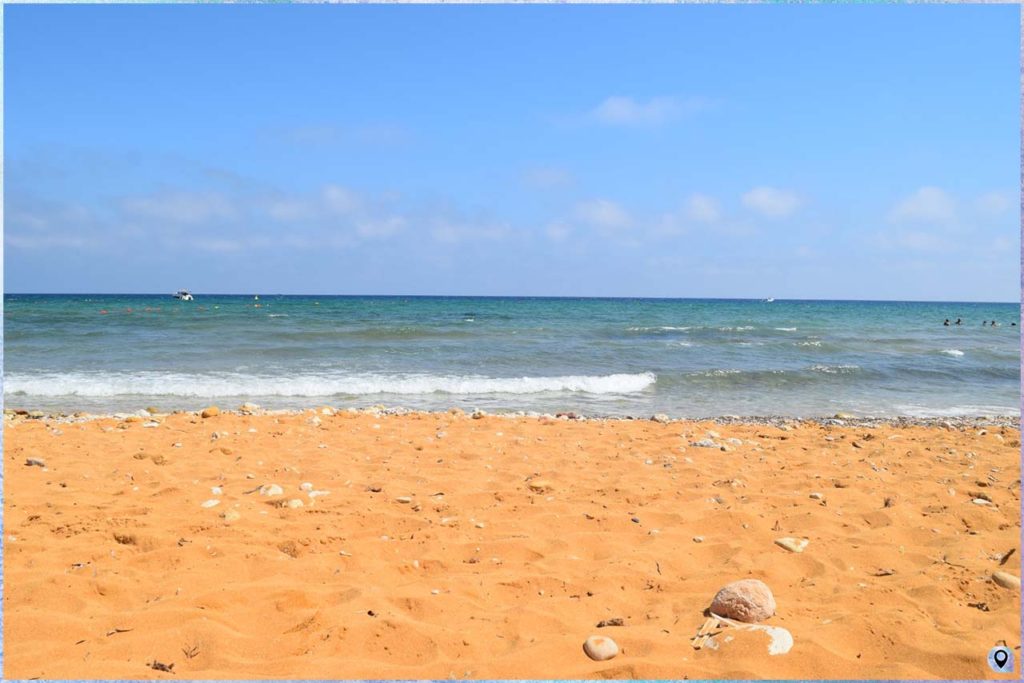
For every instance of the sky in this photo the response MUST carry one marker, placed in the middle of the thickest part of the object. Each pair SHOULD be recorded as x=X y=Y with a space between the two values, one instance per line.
x=794 y=151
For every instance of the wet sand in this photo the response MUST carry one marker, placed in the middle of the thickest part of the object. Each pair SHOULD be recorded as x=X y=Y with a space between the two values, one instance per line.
x=448 y=546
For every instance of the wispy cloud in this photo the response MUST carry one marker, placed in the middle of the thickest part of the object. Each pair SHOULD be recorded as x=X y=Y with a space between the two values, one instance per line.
x=771 y=202
x=326 y=134
x=926 y=205
x=620 y=110
x=604 y=214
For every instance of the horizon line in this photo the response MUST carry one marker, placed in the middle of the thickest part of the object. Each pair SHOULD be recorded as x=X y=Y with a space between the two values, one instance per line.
x=523 y=296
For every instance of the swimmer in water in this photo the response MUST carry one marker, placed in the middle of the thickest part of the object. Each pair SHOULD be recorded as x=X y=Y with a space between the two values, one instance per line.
x=957 y=321
x=946 y=323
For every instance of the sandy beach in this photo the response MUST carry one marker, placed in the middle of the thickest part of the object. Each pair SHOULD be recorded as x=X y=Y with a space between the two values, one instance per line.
x=437 y=545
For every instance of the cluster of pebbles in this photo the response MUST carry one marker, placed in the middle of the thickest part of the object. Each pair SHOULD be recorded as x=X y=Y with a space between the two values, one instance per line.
x=778 y=421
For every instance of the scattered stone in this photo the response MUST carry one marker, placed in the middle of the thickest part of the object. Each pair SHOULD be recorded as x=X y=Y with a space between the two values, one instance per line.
x=404 y=500
x=981 y=501
x=211 y=411
x=211 y=503
x=817 y=496
x=660 y=418
x=793 y=545
x=889 y=501
x=230 y=515
x=271 y=490
x=36 y=414
x=248 y=408
x=152 y=410
x=34 y=462
x=1006 y=580
x=477 y=414
x=305 y=486
x=600 y=648
x=295 y=503
x=704 y=443
x=216 y=490
x=617 y=621
x=315 y=421
x=540 y=486
x=698 y=539
x=748 y=600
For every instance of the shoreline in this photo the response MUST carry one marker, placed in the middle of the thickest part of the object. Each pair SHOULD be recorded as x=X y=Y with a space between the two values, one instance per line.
x=834 y=420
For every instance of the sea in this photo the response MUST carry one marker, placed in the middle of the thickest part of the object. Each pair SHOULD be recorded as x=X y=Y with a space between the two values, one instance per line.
x=599 y=357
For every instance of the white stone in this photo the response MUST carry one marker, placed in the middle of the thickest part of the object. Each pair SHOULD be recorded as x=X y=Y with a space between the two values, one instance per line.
x=305 y=486
x=793 y=545
x=295 y=503
x=210 y=503
x=600 y=648
x=271 y=490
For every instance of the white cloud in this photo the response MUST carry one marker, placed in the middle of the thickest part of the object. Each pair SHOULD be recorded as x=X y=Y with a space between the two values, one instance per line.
x=993 y=203
x=604 y=214
x=385 y=226
x=450 y=231
x=558 y=232
x=340 y=200
x=771 y=202
x=188 y=208
x=628 y=111
x=702 y=208
x=926 y=205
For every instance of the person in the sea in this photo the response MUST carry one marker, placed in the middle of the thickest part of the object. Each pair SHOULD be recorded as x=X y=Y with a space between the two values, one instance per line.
x=946 y=323
x=957 y=321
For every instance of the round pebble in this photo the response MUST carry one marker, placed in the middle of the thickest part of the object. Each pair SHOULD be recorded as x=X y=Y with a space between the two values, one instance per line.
x=211 y=411
x=210 y=503
x=748 y=600
x=600 y=648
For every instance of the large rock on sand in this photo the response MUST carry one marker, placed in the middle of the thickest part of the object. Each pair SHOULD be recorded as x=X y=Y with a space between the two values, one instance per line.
x=600 y=648
x=748 y=600
x=211 y=411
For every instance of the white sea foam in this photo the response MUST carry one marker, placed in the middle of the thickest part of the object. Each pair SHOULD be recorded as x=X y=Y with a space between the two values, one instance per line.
x=786 y=329
x=835 y=369
x=953 y=352
x=232 y=384
x=808 y=343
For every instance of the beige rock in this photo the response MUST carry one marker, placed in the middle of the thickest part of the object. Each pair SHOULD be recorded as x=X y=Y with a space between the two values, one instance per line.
x=1006 y=580
x=748 y=600
x=211 y=411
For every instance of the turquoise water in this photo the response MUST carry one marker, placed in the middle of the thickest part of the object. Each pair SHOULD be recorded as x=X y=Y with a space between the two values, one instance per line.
x=686 y=357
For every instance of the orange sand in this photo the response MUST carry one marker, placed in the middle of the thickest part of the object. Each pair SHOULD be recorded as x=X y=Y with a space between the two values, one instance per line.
x=481 y=576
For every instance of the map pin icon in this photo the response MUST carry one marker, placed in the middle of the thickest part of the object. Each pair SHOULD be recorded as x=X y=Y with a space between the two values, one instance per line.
x=1001 y=656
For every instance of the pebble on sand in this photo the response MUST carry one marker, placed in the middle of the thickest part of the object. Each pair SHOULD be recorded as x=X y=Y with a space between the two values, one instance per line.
x=705 y=443
x=540 y=485
x=793 y=545
x=211 y=503
x=817 y=496
x=35 y=462
x=600 y=648
x=660 y=418
x=211 y=411
x=271 y=490
x=1006 y=580
x=747 y=600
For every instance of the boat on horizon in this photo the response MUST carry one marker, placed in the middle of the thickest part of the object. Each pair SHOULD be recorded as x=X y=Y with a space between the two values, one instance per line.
x=183 y=295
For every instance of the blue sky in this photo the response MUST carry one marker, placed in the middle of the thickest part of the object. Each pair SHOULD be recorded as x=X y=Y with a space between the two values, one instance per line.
x=863 y=152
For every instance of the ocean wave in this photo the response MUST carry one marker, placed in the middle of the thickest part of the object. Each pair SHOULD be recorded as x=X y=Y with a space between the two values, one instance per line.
x=953 y=352
x=662 y=328
x=816 y=342
x=215 y=385
x=786 y=329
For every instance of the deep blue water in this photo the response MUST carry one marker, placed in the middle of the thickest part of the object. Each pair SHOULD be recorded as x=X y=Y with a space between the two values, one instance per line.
x=597 y=356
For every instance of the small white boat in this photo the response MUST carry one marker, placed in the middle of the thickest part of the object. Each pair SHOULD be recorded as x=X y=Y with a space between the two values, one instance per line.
x=769 y=300
x=183 y=295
